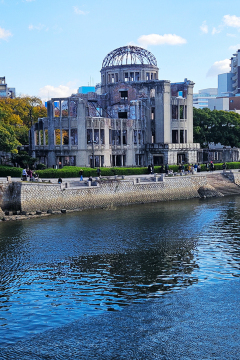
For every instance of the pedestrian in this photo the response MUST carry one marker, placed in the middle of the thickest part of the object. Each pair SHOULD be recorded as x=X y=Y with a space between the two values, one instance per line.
x=152 y=169
x=149 y=169
x=207 y=166
x=60 y=180
x=195 y=167
x=199 y=168
x=81 y=174
x=212 y=166
x=29 y=173
x=98 y=172
x=24 y=175
x=166 y=168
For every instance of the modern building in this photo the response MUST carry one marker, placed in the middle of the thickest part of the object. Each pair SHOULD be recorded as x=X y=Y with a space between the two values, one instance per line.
x=86 y=89
x=5 y=91
x=200 y=100
x=134 y=118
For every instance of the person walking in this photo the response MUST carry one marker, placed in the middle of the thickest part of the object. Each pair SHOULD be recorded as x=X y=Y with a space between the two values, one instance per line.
x=81 y=174
x=212 y=166
x=24 y=175
x=98 y=172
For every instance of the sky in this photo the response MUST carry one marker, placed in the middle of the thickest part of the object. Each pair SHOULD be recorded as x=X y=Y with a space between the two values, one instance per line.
x=49 y=48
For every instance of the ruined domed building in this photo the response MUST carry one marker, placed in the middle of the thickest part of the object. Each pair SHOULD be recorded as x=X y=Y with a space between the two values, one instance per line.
x=133 y=119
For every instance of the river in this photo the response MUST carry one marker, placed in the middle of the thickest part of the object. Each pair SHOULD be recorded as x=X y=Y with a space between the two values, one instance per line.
x=74 y=270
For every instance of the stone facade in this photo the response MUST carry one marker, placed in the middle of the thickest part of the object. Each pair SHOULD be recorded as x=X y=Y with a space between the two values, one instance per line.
x=135 y=119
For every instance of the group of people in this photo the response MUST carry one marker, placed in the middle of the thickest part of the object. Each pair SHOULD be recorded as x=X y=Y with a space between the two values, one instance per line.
x=28 y=173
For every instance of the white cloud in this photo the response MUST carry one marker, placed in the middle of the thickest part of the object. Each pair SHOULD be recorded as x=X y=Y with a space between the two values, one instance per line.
x=232 y=20
x=47 y=92
x=234 y=47
x=4 y=34
x=38 y=27
x=78 y=11
x=204 y=28
x=216 y=31
x=231 y=35
x=156 y=39
x=219 y=67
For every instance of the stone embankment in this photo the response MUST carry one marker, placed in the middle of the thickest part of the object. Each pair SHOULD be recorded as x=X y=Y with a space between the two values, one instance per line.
x=25 y=199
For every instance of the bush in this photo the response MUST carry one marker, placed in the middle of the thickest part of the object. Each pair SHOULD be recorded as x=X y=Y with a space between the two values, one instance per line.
x=41 y=166
x=10 y=171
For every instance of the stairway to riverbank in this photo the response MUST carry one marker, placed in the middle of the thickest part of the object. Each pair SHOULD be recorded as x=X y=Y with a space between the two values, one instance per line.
x=222 y=184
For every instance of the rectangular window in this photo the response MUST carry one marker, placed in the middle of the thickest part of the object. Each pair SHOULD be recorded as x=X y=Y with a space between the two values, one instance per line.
x=116 y=77
x=181 y=136
x=116 y=137
x=36 y=138
x=137 y=77
x=124 y=136
x=181 y=111
x=175 y=136
x=112 y=78
x=89 y=136
x=185 y=136
x=124 y=94
x=135 y=137
x=46 y=137
x=122 y=115
x=110 y=138
x=57 y=137
x=74 y=137
x=126 y=77
x=185 y=111
x=96 y=136
x=102 y=160
x=174 y=112
x=131 y=76
x=41 y=137
x=102 y=136
x=147 y=76
x=65 y=137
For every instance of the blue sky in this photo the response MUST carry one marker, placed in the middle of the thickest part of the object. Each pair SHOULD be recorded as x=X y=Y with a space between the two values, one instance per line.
x=51 y=47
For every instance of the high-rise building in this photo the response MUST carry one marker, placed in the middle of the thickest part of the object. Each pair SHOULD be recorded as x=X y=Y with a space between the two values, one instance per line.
x=200 y=100
x=5 y=91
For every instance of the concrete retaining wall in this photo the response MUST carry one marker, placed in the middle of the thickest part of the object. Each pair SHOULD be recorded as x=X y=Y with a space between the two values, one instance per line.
x=38 y=196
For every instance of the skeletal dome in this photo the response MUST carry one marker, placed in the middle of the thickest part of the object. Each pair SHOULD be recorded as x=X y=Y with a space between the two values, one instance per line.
x=129 y=55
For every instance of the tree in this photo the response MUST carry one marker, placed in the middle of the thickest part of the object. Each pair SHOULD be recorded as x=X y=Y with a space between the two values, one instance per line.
x=216 y=126
x=8 y=140
x=20 y=113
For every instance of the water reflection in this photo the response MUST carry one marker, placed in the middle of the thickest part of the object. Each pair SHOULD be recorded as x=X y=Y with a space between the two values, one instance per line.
x=58 y=269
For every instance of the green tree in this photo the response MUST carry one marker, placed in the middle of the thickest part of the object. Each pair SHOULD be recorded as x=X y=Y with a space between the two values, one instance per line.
x=216 y=126
x=8 y=140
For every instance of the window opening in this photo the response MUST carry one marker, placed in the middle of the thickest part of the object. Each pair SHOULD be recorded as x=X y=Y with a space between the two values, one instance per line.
x=122 y=115
x=46 y=136
x=57 y=137
x=102 y=136
x=175 y=136
x=181 y=111
x=174 y=112
x=124 y=136
x=181 y=136
x=124 y=94
x=65 y=137
x=74 y=137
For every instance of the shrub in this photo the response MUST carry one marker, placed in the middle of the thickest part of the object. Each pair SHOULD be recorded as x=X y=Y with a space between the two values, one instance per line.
x=10 y=171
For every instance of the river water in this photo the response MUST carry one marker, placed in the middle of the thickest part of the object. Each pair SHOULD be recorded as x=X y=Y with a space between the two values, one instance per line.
x=68 y=270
